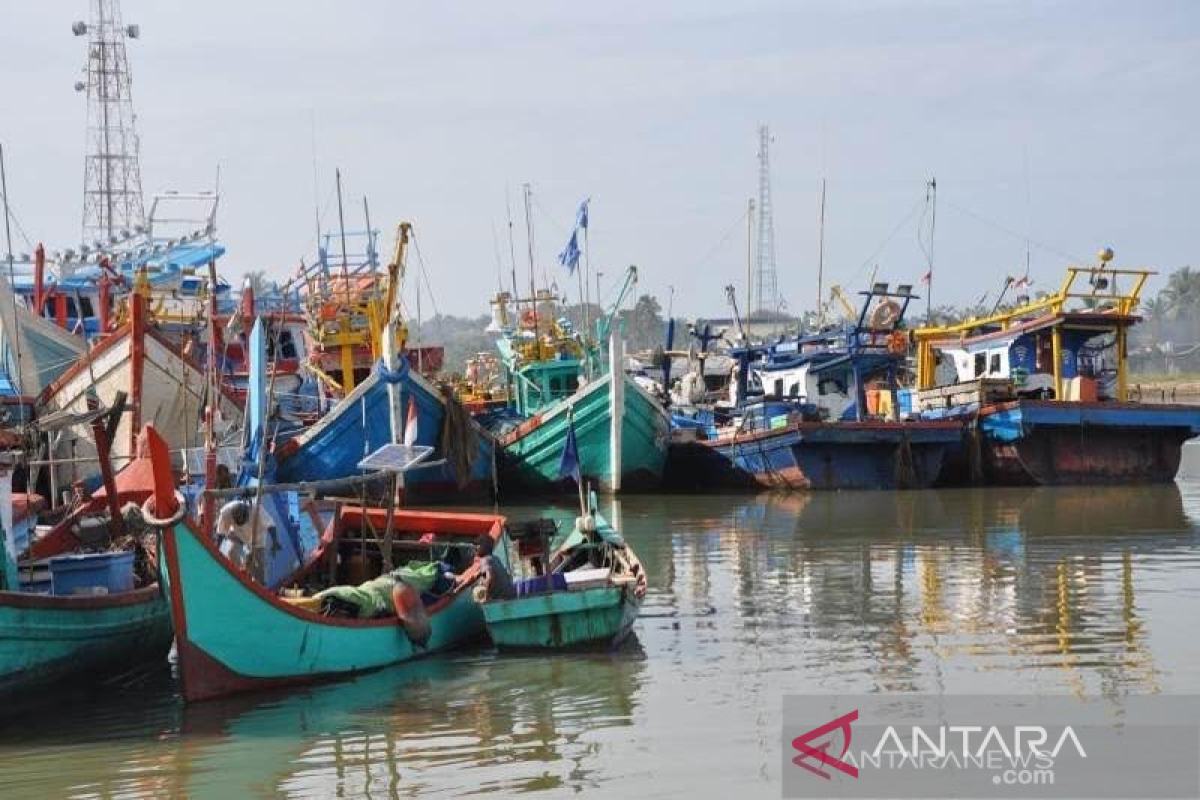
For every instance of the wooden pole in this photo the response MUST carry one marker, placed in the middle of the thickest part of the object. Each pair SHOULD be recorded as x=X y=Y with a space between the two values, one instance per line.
x=616 y=395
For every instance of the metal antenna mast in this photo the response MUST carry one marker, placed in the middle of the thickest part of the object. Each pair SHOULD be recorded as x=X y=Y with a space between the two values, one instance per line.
x=765 y=297
x=112 y=183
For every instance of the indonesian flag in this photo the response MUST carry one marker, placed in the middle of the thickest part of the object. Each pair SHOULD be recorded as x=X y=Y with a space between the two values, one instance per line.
x=410 y=424
x=1022 y=282
x=927 y=277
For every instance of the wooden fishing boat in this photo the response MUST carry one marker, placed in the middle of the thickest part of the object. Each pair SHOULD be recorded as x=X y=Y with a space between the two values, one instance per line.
x=590 y=596
x=359 y=424
x=348 y=313
x=1043 y=388
x=165 y=387
x=816 y=412
x=233 y=635
x=798 y=454
x=46 y=638
x=532 y=448
x=555 y=373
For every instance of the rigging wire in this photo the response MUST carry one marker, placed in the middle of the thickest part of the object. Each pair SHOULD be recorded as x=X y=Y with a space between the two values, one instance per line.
x=724 y=238
x=899 y=226
x=1028 y=240
x=428 y=286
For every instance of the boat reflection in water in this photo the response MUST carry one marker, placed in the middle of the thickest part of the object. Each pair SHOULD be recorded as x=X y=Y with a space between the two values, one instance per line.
x=522 y=723
x=970 y=589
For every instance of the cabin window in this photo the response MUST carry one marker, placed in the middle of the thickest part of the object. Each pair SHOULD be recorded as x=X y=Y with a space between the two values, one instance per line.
x=994 y=366
x=980 y=364
x=287 y=345
x=572 y=383
x=86 y=304
x=831 y=386
x=555 y=385
x=72 y=311
x=794 y=391
x=778 y=390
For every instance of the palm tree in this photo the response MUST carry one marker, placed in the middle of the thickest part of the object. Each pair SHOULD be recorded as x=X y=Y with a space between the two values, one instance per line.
x=1182 y=300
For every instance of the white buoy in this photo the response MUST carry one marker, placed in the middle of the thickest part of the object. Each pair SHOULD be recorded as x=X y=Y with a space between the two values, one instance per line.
x=616 y=395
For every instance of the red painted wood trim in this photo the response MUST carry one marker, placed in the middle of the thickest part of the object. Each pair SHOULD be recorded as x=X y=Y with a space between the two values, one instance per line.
x=135 y=597
x=466 y=581
x=137 y=362
x=178 y=611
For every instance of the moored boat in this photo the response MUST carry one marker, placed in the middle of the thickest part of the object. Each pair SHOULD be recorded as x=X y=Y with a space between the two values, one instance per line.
x=589 y=596
x=165 y=387
x=98 y=615
x=1043 y=388
x=233 y=635
x=819 y=412
x=555 y=373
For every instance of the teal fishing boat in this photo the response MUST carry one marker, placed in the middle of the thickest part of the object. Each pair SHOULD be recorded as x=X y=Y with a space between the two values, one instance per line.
x=45 y=639
x=590 y=596
x=71 y=617
x=555 y=372
x=633 y=419
x=234 y=635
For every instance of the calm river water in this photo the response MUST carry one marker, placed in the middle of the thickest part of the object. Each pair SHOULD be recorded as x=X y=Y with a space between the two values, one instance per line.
x=1090 y=591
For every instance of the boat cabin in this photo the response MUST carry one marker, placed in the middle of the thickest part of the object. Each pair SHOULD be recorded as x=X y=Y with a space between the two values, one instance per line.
x=1071 y=345
x=837 y=369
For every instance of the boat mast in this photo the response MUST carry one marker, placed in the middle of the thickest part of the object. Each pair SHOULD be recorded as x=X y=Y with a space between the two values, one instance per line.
x=529 y=241
x=16 y=334
x=931 y=195
x=821 y=262
x=214 y=392
x=512 y=250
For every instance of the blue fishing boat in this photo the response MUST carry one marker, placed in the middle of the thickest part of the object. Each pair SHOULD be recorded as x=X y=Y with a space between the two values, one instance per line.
x=1043 y=389
x=348 y=310
x=358 y=425
x=818 y=412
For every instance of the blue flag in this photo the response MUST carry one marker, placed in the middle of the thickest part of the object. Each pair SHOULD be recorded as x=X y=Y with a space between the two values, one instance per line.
x=569 y=257
x=581 y=218
x=568 y=465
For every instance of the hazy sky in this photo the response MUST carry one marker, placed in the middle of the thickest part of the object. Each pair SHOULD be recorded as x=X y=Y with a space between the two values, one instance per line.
x=1075 y=122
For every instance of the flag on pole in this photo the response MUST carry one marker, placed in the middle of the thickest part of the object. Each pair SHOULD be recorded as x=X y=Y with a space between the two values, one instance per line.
x=927 y=277
x=568 y=465
x=581 y=217
x=411 y=424
x=1022 y=282
x=569 y=257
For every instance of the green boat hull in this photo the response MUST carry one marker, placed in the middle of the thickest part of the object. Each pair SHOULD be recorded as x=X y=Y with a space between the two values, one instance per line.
x=47 y=640
x=234 y=636
x=532 y=453
x=562 y=619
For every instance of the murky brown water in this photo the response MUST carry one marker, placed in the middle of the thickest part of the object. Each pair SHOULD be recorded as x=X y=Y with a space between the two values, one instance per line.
x=1091 y=591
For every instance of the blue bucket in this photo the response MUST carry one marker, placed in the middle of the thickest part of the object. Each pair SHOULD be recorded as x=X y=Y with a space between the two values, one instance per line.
x=92 y=573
